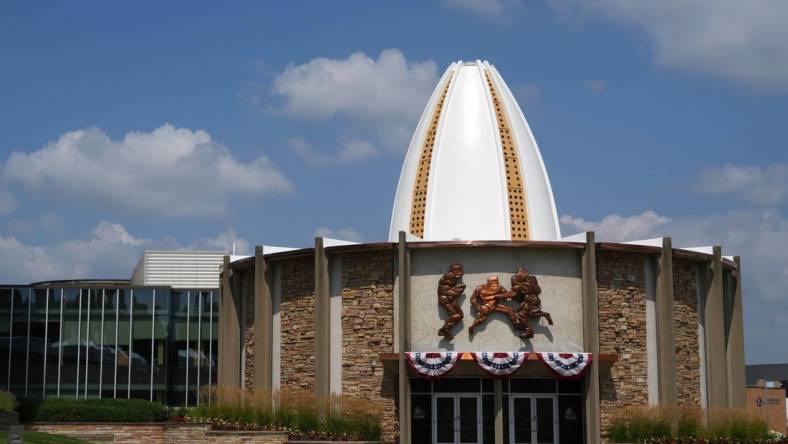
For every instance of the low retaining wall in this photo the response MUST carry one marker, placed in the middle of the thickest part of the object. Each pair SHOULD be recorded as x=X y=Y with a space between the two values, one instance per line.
x=155 y=433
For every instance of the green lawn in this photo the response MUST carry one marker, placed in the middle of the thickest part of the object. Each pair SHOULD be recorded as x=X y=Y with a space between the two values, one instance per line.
x=42 y=438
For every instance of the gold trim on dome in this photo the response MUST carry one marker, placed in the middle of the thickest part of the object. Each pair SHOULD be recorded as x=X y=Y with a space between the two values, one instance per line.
x=518 y=211
x=419 y=200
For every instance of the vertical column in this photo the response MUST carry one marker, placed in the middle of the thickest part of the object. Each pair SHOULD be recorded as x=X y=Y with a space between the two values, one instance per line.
x=665 y=342
x=322 y=322
x=714 y=316
x=230 y=328
x=403 y=270
x=591 y=341
x=737 y=396
x=498 y=387
x=263 y=317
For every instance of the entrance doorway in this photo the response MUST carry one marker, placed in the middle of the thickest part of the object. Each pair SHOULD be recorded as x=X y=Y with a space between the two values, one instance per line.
x=457 y=419
x=533 y=419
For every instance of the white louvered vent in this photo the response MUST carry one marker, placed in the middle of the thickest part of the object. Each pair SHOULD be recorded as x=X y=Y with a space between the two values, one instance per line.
x=179 y=269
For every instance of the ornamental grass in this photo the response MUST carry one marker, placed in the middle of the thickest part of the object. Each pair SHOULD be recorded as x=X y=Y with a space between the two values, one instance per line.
x=661 y=424
x=7 y=401
x=298 y=412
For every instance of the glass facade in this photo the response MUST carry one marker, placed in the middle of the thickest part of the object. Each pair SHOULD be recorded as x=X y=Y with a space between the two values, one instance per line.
x=151 y=343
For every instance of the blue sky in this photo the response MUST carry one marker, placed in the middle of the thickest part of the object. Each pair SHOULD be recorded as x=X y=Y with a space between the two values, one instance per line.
x=196 y=124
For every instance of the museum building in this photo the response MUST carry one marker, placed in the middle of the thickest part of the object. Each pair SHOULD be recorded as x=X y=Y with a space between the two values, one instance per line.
x=477 y=322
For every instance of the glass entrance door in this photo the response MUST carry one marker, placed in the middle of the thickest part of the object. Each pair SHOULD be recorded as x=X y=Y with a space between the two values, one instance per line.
x=456 y=419
x=532 y=419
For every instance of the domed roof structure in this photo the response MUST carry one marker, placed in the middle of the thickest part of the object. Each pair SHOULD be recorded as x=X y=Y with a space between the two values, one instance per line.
x=473 y=170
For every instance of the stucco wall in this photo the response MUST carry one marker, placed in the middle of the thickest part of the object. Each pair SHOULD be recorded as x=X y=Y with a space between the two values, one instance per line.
x=368 y=330
x=622 y=330
x=558 y=273
x=298 y=323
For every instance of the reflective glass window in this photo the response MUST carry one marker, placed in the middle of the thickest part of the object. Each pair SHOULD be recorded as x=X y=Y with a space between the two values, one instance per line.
x=160 y=343
x=178 y=347
x=21 y=305
x=107 y=357
x=142 y=341
x=123 y=351
x=52 y=342
x=70 y=340
x=93 y=342
x=5 y=336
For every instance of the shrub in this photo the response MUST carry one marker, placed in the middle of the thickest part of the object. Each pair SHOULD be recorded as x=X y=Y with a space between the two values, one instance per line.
x=7 y=401
x=685 y=424
x=98 y=410
x=300 y=413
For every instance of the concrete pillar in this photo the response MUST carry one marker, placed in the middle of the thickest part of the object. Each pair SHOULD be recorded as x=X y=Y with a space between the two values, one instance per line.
x=714 y=317
x=403 y=270
x=263 y=325
x=665 y=342
x=322 y=322
x=591 y=341
x=229 y=371
x=499 y=430
x=737 y=394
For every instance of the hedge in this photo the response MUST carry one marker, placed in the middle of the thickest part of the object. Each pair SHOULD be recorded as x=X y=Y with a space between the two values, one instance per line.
x=96 y=410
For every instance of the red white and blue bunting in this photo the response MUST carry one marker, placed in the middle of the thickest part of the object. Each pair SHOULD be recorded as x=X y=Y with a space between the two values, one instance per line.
x=566 y=365
x=500 y=364
x=432 y=364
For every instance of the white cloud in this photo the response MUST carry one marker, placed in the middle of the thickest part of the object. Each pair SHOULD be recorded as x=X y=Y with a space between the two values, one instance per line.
x=596 y=86
x=7 y=202
x=358 y=86
x=528 y=94
x=169 y=171
x=745 y=42
x=379 y=100
x=759 y=236
x=353 y=150
x=767 y=186
x=108 y=251
x=614 y=226
x=347 y=234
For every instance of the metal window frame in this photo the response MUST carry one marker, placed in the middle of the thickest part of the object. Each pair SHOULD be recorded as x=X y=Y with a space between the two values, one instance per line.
x=101 y=344
x=27 y=352
x=131 y=340
x=152 y=341
x=60 y=344
x=188 y=337
x=46 y=346
x=79 y=341
x=87 y=344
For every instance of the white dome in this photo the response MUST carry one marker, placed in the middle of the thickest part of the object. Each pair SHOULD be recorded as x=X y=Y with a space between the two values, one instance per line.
x=473 y=170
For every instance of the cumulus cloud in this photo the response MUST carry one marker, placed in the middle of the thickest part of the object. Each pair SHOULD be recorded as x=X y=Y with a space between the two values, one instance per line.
x=376 y=99
x=766 y=186
x=169 y=171
x=222 y=241
x=347 y=234
x=744 y=42
x=108 y=251
x=7 y=202
x=614 y=226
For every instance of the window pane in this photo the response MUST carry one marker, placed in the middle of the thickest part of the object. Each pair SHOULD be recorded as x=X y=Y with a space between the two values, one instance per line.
x=142 y=342
x=533 y=385
x=161 y=333
x=21 y=300
x=69 y=342
x=522 y=420
x=178 y=348
x=570 y=419
x=421 y=419
x=5 y=335
x=488 y=419
x=445 y=419
x=124 y=343
x=53 y=342
x=544 y=420
x=107 y=357
x=469 y=420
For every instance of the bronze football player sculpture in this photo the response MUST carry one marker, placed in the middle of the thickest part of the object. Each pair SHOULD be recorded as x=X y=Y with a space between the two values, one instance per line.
x=450 y=287
x=486 y=299
x=526 y=287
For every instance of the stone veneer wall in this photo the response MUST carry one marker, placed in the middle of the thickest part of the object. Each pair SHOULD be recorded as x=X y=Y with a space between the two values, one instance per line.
x=622 y=330
x=297 y=311
x=368 y=330
x=248 y=329
x=155 y=433
x=685 y=331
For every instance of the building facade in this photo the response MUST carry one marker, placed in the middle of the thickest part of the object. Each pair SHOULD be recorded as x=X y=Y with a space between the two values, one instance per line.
x=153 y=337
x=477 y=322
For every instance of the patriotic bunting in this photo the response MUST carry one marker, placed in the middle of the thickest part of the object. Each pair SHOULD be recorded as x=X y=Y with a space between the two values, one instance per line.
x=500 y=363
x=432 y=365
x=566 y=365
